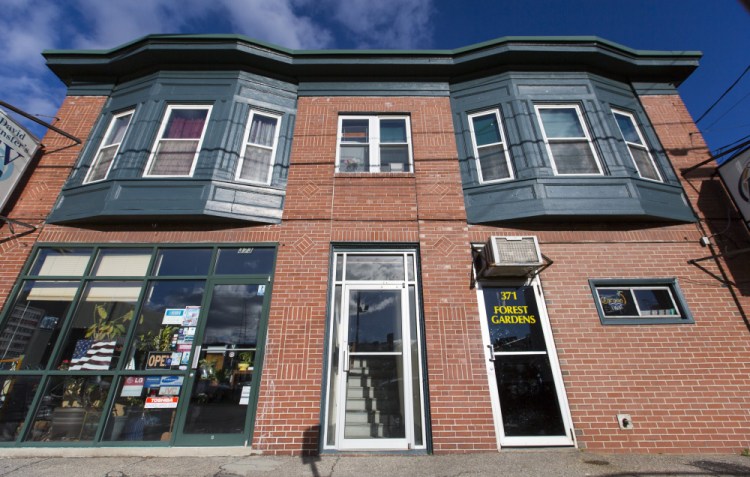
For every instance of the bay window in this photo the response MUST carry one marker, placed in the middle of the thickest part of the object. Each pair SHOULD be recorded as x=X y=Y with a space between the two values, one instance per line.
x=105 y=156
x=259 y=148
x=642 y=159
x=567 y=139
x=175 y=152
x=490 y=150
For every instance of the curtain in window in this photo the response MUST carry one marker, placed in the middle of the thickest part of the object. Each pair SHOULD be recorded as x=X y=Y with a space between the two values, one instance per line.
x=262 y=131
x=186 y=124
x=174 y=158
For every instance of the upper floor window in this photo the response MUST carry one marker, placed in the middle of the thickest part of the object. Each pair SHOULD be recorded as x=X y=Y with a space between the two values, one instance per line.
x=179 y=141
x=493 y=161
x=568 y=141
x=374 y=144
x=259 y=148
x=108 y=149
x=644 y=162
x=639 y=301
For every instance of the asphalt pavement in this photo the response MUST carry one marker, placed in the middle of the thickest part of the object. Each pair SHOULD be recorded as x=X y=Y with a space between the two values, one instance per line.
x=558 y=463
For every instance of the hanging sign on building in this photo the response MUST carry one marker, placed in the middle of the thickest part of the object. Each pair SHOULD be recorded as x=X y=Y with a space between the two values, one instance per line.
x=736 y=176
x=17 y=148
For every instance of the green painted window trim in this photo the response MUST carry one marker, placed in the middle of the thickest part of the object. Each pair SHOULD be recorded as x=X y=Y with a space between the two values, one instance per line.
x=671 y=283
x=121 y=371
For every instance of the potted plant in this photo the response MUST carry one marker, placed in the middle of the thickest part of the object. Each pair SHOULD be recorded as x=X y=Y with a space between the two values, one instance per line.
x=106 y=328
x=245 y=360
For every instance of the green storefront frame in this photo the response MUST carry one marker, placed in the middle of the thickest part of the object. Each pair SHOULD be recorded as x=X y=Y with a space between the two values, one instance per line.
x=32 y=393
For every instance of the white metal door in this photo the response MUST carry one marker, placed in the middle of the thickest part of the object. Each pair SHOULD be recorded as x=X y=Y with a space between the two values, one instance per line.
x=374 y=389
x=528 y=397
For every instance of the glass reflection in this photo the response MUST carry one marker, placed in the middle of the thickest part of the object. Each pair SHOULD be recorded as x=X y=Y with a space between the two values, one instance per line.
x=223 y=381
x=167 y=324
x=34 y=323
x=144 y=409
x=181 y=262
x=70 y=409
x=375 y=320
x=245 y=261
x=374 y=267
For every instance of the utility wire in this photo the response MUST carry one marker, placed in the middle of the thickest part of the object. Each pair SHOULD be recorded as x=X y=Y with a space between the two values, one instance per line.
x=724 y=94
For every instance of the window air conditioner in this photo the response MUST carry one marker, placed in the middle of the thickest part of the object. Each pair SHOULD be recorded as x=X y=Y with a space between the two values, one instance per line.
x=508 y=257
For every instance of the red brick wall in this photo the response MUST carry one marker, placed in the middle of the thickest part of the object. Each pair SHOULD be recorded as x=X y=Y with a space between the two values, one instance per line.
x=424 y=208
x=45 y=179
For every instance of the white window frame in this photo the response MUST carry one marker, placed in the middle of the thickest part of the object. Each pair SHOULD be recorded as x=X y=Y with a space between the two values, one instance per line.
x=246 y=142
x=502 y=143
x=162 y=128
x=641 y=146
x=103 y=146
x=373 y=142
x=586 y=136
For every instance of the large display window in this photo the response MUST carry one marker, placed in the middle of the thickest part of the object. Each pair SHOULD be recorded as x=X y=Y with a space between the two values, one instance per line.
x=117 y=345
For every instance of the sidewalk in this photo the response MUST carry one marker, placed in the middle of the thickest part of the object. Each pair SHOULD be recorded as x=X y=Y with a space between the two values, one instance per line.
x=558 y=463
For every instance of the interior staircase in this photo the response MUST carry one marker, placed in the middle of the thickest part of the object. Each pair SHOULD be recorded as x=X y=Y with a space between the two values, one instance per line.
x=373 y=401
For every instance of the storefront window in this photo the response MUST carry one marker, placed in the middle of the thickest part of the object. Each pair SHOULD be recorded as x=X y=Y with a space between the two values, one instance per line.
x=117 y=327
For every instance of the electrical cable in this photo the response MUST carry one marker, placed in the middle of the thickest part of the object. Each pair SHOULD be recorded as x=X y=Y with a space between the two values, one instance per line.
x=724 y=94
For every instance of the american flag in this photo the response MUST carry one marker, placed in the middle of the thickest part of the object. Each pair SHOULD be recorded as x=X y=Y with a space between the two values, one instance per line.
x=92 y=355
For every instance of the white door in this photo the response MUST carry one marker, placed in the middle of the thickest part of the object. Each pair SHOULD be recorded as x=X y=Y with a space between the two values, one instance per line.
x=528 y=396
x=375 y=386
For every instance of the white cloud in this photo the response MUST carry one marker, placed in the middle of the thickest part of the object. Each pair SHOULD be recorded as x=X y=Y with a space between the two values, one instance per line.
x=397 y=24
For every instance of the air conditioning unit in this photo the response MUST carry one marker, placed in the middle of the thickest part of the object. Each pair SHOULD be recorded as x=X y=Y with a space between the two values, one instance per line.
x=508 y=257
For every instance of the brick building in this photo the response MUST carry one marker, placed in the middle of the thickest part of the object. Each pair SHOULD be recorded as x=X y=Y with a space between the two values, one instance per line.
x=285 y=250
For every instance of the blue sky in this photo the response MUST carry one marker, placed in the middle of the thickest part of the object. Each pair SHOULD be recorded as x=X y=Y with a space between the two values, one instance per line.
x=718 y=28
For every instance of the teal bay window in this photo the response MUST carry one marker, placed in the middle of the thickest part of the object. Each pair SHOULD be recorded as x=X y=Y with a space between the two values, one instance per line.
x=103 y=344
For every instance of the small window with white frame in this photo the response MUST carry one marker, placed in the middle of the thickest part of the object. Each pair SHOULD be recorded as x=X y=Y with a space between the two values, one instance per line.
x=631 y=134
x=374 y=144
x=568 y=141
x=490 y=151
x=109 y=147
x=179 y=141
x=644 y=301
x=259 y=148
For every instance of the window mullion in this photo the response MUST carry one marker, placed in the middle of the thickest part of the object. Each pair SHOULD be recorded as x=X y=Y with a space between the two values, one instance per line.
x=374 y=143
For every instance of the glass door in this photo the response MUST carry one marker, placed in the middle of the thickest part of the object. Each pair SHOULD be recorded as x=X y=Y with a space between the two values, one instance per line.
x=528 y=397
x=222 y=382
x=375 y=386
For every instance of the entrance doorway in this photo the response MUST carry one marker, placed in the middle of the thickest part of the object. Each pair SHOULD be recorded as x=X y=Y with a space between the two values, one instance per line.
x=528 y=396
x=222 y=381
x=375 y=389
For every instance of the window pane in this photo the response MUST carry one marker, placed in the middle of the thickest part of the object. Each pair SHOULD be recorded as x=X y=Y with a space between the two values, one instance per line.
x=255 y=164
x=655 y=302
x=34 y=323
x=392 y=130
x=101 y=163
x=117 y=132
x=185 y=124
x=262 y=130
x=561 y=122
x=574 y=158
x=157 y=330
x=354 y=159
x=493 y=163
x=644 y=163
x=70 y=409
x=16 y=394
x=245 y=261
x=173 y=158
x=67 y=262
x=132 y=419
x=100 y=323
x=374 y=321
x=374 y=267
x=191 y=261
x=629 y=133
x=526 y=385
x=486 y=129
x=394 y=158
x=122 y=262
x=355 y=130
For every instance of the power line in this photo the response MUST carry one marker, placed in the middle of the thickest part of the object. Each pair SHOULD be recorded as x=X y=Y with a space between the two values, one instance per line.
x=724 y=94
